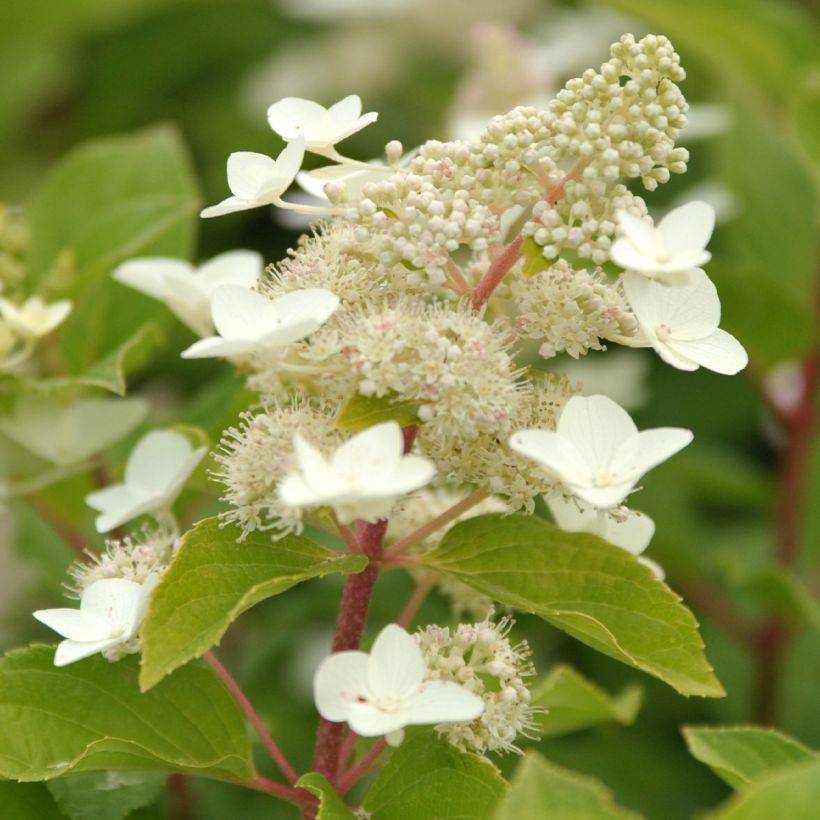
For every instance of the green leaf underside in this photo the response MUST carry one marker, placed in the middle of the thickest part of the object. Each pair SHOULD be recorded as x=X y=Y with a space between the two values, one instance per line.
x=106 y=795
x=213 y=579
x=741 y=754
x=331 y=806
x=362 y=412
x=27 y=801
x=428 y=777
x=596 y=592
x=791 y=794
x=539 y=788
x=91 y=716
x=575 y=703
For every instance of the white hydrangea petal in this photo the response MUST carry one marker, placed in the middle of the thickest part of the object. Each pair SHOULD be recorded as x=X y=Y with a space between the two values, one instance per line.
x=230 y=205
x=75 y=624
x=291 y=117
x=672 y=357
x=394 y=738
x=239 y=313
x=118 y=504
x=240 y=267
x=345 y=113
x=317 y=304
x=554 y=453
x=117 y=601
x=250 y=174
x=215 y=347
x=605 y=498
x=339 y=681
x=626 y=255
x=411 y=473
x=188 y=300
x=572 y=516
x=657 y=445
x=630 y=530
x=441 y=701
x=688 y=228
x=316 y=483
x=148 y=274
x=367 y=720
x=396 y=667
x=374 y=452
x=156 y=460
x=656 y=568
x=70 y=651
x=596 y=426
x=641 y=233
x=720 y=352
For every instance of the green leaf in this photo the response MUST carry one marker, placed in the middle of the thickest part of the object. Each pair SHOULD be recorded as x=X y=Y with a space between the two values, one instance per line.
x=91 y=716
x=534 y=261
x=362 y=412
x=109 y=372
x=108 y=200
x=213 y=580
x=781 y=591
x=67 y=433
x=428 y=777
x=741 y=754
x=28 y=801
x=575 y=703
x=806 y=119
x=106 y=795
x=592 y=590
x=792 y=794
x=331 y=806
x=539 y=788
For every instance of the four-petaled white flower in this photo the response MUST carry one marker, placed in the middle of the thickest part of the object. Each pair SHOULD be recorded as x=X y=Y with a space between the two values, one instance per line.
x=157 y=468
x=34 y=318
x=596 y=451
x=256 y=179
x=111 y=613
x=361 y=479
x=677 y=245
x=187 y=291
x=382 y=692
x=248 y=321
x=321 y=128
x=681 y=323
x=628 y=529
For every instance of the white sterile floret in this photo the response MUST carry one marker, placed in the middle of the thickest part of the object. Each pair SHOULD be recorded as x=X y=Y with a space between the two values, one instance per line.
x=156 y=470
x=34 y=318
x=108 y=620
x=681 y=323
x=256 y=179
x=382 y=692
x=596 y=451
x=362 y=479
x=321 y=128
x=628 y=529
x=187 y=291
x=247 y=321
x=677 y=245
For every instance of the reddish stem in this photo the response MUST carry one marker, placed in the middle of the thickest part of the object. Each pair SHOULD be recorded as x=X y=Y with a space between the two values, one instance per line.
x=498 y=270
x=415 y=601
x=261 y=784
x=349 y=779
x=247 y=707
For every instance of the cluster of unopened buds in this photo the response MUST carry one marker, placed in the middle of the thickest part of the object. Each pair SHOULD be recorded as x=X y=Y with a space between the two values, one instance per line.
x=414 y=304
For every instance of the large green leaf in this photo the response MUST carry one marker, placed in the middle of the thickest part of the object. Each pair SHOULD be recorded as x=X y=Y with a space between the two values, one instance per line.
x=592 y=590
x=106 y=795
x=539 y=788
x=741 y=754
x=214 y=579
x=91 y=716
x=427 y=777
x=573 y=702
x=331 y=806
x=791 y=794
x=108 y=200
x=362 y=412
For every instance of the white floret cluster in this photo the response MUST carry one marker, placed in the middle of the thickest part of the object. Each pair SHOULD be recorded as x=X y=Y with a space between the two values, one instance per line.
x=481 y=658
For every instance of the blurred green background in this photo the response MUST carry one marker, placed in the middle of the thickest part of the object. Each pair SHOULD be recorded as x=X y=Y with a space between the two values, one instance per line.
x=206 y=70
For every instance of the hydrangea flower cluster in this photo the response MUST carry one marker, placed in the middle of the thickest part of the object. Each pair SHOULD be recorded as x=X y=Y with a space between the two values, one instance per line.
x=390 y=353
